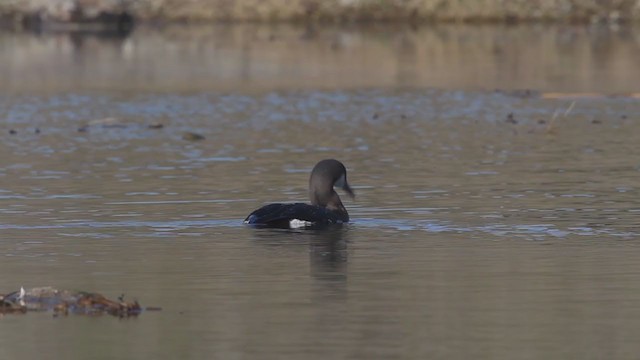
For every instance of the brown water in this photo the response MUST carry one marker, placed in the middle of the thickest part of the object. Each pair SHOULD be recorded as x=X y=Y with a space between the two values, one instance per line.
x=472 y=236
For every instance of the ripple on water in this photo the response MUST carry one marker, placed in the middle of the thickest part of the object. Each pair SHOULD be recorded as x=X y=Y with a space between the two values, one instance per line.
x=528 y=231
x=222 y=159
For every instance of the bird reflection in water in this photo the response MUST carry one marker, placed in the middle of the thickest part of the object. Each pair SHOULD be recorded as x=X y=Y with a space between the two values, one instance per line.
x=328 y=255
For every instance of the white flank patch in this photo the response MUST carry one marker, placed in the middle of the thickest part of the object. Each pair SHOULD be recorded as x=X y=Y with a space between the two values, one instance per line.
x=295 y=223
x=21 y=296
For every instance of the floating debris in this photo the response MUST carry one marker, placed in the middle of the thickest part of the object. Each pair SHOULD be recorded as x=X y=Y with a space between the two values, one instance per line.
x=519 y=93
x=116 y=123
x=104 y=123
x=551 y=126
x=108 y=123
x=558 y=95
x=524 y=93
x=36 y=130
x=63 y=302
x=191 y=136
x=587 y=95
x=12 y=131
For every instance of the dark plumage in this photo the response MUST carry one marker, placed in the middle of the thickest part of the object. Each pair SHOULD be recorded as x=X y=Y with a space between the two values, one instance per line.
x=326 y=207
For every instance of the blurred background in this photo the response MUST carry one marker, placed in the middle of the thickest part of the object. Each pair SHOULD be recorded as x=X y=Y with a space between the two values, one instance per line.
x=492 y=146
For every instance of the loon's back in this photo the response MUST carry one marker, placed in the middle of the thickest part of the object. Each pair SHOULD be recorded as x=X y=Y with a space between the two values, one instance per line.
x=295 y=215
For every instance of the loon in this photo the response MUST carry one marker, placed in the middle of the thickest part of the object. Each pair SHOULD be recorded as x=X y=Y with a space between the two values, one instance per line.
x=325 y=209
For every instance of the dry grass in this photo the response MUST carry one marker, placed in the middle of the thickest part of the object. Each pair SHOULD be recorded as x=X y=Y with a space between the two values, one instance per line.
x=349 y=10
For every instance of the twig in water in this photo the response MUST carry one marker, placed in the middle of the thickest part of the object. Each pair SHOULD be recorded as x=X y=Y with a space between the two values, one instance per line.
x=550 y=127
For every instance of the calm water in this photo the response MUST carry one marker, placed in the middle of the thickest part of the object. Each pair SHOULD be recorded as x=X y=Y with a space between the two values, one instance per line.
x=475 y=234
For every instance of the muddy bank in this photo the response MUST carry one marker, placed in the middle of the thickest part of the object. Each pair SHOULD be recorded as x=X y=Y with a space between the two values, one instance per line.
x=119 y=14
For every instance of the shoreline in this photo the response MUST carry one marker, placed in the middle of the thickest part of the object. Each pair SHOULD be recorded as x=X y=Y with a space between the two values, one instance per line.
x=69 y=15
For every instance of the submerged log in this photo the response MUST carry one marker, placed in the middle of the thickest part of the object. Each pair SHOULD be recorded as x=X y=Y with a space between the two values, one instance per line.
x=63 y=302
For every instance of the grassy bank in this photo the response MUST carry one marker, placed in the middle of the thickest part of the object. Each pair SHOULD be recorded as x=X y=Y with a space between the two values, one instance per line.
x=334 y=10
x=363 y=10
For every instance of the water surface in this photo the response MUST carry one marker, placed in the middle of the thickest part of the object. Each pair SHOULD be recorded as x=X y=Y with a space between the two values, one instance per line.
x=487 y=224
x=250 y=58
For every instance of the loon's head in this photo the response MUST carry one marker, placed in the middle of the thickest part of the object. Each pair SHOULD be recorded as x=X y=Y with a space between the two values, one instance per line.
x=324 y=176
